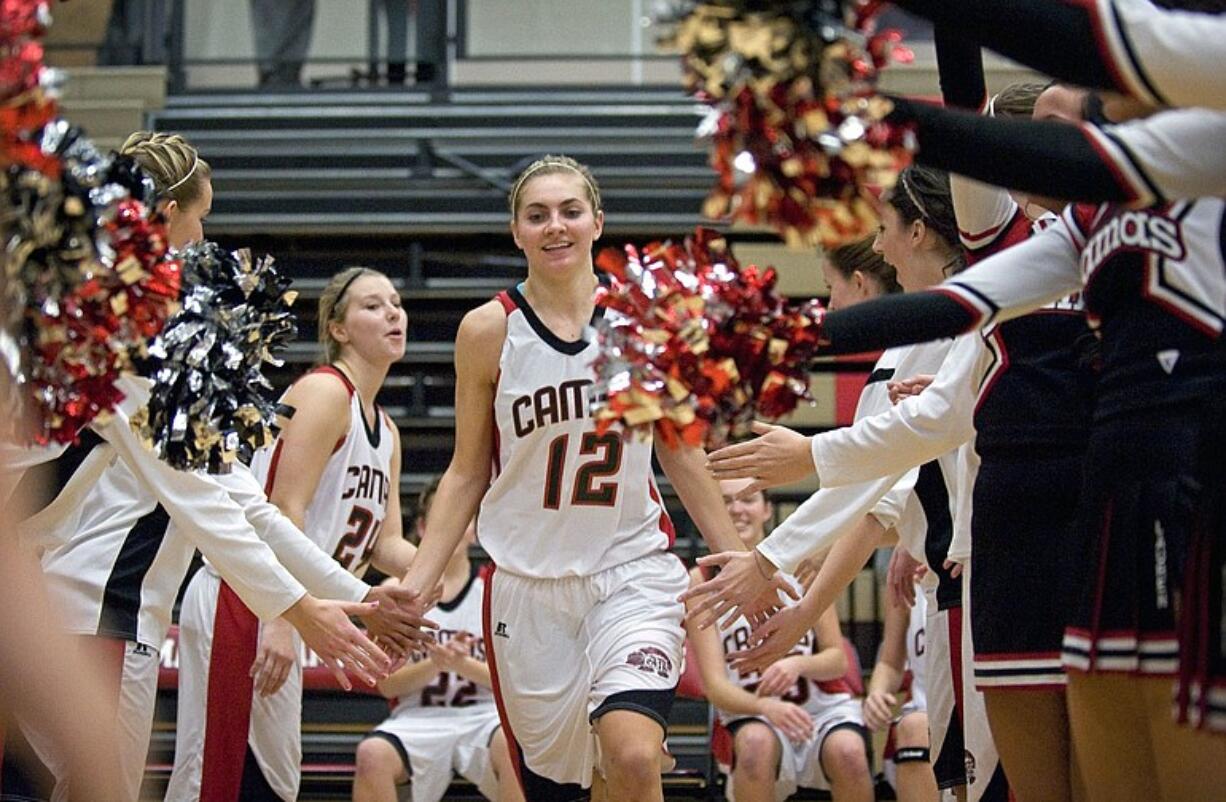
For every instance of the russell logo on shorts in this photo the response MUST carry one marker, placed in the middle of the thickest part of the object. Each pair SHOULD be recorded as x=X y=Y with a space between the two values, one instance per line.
x=500 y=631
x=651 y=660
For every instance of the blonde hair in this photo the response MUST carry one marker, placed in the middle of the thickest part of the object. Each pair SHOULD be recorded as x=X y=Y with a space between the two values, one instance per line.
x=1018 y=98
x=549 y=165
x=175 y=166
x=332 y=306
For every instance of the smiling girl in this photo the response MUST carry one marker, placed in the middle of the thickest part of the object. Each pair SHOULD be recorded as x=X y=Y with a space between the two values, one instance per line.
x=582 y=624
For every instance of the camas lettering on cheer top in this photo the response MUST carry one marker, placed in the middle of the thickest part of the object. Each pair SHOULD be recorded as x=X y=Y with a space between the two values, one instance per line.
x=366 y=482
x=1145 y=231
x=549 y=405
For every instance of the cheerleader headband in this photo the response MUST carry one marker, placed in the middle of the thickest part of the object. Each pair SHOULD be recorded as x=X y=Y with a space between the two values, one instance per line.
x=183 y=180
x=902 y=179
x=541 y=165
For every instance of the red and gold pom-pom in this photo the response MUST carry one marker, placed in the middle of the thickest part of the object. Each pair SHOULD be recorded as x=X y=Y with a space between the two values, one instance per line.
x=695 y=345
x=85 y=337
x=797 y=132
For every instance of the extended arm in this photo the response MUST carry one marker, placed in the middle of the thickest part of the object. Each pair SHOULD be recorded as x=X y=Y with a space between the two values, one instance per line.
x=478 y=345
x=1009 y=284
x=1162 y=56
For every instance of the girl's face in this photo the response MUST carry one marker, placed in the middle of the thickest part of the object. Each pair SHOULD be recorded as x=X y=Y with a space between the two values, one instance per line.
x=897 y=242
x=374 y=322
x=555 y=224
x=750 y=515
x=847 y=291
x=185 y=223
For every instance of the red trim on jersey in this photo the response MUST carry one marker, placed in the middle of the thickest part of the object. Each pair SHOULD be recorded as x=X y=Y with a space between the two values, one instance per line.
x=497 y=437
x=230 y=687
x=1000 y=370
x=491 y=660
x=272 y=467
x=848 y=388
x=1104 y=45
x=987 y=233
x=954 y=624
x=1121 y=177
x=338 y=373
x=666 y=523
x=508 y=305
x=993 y=656
x=976 y=313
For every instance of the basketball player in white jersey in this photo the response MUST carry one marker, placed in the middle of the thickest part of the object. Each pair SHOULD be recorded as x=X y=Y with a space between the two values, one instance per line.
x=795 y=724
x=907 y=764
x=335 y=472
x=583 y=629
x=444 y=719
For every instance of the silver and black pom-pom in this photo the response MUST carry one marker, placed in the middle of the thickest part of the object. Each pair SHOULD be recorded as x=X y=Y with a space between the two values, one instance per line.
x=211 y=403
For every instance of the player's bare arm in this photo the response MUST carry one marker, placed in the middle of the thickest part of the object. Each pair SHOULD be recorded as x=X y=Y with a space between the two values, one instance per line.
x=758 y=591
x=880 y=697
x=478 y=345
x=410 y=678
x=321 y=418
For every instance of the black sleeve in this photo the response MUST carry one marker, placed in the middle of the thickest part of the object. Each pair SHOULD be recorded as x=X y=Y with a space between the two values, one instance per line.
x=894 y=320
x=1041 y=157
x=960 y=68
x=1057 y=38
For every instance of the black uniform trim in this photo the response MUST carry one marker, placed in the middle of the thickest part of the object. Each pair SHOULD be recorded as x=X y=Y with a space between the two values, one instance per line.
x=568 y=347
x=1131 y=54
x=933 y=496
x=1050 y=37
x=894 y=320
x=1042 y=157
x=121 y=597
x=880 y=375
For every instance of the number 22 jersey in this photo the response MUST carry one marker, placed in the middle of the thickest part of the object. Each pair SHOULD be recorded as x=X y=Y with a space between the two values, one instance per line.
x=350 y=501
x=564 y=500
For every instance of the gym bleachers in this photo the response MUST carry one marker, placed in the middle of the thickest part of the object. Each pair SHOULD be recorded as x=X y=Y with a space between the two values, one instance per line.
x=417 y=188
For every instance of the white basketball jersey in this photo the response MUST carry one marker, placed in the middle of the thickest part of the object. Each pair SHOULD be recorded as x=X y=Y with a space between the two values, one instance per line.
x=916 y=647
x=461 y=614
x=350 y=502
x=565 y=500
x=815 y=697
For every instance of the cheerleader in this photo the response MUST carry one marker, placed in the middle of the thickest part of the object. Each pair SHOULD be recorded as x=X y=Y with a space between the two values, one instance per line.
x=115 y=570
x=334 y=471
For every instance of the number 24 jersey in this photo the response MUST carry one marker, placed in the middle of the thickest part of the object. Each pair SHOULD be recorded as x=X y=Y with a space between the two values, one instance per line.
x=350 y=503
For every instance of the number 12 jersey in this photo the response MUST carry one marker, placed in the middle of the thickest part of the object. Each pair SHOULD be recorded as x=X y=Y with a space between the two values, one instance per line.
x=564 y=500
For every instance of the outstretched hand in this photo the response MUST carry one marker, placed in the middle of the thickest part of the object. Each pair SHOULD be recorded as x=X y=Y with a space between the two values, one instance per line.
x=902 y=575
x=747 y=584
x=771 y=640
x=779 y=456
x=325 y=627
x=399 y=624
